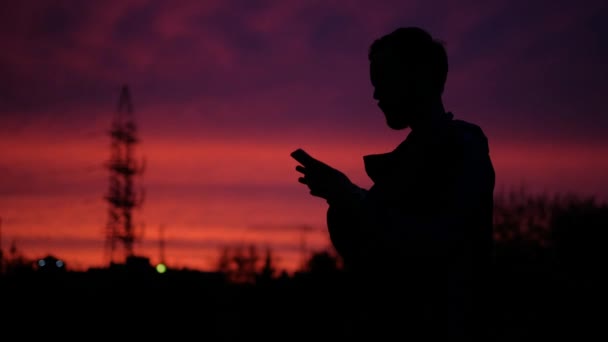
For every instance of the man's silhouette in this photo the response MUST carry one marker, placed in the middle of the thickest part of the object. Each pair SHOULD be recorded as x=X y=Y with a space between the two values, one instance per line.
x=418 y=242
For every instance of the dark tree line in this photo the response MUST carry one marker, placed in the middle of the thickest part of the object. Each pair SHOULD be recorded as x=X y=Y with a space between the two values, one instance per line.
x=559 y=232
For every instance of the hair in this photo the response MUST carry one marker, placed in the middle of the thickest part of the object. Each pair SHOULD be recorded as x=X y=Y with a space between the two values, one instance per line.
x=416 y=47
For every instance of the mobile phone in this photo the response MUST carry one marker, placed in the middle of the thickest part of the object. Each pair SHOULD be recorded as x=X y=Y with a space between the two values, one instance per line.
x=302 y=156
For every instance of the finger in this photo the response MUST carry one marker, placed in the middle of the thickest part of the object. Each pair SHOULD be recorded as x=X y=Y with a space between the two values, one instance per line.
x=302 y=180
x=301 y=169
x=301 y=156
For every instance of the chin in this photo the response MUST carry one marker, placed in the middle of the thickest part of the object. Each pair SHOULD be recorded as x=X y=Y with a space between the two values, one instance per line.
x=398 y=123
x=398 y=127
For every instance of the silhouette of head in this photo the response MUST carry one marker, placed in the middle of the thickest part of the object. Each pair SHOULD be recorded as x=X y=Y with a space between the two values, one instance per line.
x=408 y=70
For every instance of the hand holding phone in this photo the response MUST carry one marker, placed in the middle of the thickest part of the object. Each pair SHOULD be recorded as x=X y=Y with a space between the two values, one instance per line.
x=323 y=180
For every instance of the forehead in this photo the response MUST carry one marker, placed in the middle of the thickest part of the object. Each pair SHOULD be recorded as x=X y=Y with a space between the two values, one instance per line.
x=386 y=65
x=384 y=59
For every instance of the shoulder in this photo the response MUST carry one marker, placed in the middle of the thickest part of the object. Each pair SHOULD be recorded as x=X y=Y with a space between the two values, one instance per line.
x=463 y=136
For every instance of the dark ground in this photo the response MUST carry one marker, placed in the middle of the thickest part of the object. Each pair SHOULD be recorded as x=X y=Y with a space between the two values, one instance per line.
x=531 y=302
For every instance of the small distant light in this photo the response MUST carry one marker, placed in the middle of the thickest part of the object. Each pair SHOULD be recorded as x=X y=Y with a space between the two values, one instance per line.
x=41 y=263
x=161 y=268
x=59 y=263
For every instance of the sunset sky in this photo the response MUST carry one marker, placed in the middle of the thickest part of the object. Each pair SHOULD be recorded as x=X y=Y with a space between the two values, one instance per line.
x=224 y=90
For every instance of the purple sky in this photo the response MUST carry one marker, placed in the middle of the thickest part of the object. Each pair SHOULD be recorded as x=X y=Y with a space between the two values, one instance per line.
x=224 y=90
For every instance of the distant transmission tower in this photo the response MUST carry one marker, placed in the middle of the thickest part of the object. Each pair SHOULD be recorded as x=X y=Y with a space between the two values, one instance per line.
x=122 y=196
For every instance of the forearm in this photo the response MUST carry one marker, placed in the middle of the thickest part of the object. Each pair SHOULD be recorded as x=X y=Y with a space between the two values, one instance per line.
x=345 y=220
x=351 y=196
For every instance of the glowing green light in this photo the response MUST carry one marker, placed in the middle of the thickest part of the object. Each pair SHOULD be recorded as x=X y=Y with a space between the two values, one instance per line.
x=161 y=268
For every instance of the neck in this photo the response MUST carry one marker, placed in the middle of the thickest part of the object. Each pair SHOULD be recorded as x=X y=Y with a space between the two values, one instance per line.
x=429 y=115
